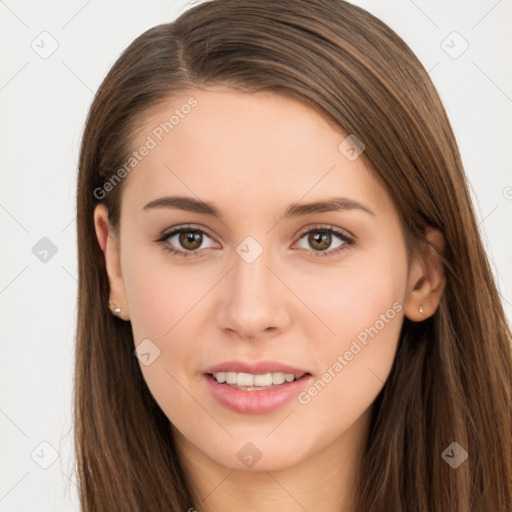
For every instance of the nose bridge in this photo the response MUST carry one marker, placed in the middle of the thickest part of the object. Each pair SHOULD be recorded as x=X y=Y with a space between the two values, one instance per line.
x=254 y=301
x=251 y=277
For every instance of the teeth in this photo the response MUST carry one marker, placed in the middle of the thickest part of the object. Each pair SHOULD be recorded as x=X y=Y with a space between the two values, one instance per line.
x=221 y=377
x=279 y=378
x=250 y=380
x=230 y=377
x=244 y=379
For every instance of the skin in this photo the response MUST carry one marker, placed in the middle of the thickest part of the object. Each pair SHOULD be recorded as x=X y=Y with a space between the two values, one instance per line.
x=252 y=155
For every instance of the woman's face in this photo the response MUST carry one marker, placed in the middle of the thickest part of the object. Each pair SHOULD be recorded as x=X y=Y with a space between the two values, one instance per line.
x=261 y=286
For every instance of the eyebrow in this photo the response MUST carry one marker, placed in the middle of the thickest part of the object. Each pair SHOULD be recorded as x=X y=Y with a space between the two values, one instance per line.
x=191 y=204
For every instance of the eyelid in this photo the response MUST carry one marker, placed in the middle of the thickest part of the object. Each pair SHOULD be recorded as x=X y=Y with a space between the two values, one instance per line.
x=327 y=227
x=183 y=227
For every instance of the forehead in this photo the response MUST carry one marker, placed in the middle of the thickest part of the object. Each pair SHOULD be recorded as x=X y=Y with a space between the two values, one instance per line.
x=243 y=146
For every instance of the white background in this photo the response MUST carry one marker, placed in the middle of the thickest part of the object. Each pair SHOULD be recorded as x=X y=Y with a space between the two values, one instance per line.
x=43 y=108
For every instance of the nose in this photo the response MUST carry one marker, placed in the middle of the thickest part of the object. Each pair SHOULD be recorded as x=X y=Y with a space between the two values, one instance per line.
x=256 y=301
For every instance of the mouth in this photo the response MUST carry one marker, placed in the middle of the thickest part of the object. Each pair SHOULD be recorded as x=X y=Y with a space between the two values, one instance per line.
x=255 y=387
x=256 y=382
x=255 y=393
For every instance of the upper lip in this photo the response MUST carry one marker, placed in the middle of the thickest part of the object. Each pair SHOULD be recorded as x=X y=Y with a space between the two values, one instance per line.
x=255 y=368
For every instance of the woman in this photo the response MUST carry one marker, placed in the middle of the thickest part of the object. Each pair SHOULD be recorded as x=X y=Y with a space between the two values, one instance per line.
x=284 y=301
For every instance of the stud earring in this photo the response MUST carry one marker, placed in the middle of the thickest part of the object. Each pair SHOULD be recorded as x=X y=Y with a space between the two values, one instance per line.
x=421 y=309
x=114 y=308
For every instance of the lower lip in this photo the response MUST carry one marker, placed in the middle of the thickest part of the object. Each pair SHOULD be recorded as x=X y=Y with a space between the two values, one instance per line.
x=256 y=402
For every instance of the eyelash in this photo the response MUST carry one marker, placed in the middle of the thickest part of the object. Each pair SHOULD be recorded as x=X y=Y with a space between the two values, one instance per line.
x=348 y=242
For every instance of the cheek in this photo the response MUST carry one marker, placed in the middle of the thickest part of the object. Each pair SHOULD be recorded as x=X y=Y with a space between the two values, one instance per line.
x=365 y=311
x=353 y=296
x=161 y=296
x=164 y=306
x=154 y=300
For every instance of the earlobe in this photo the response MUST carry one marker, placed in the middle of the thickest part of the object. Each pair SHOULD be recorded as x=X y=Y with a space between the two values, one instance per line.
x=110 y=247
x=427 y=279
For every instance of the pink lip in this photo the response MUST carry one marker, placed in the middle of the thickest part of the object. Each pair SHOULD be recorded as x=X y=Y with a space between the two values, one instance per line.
x=256 y=402
x=257 y=368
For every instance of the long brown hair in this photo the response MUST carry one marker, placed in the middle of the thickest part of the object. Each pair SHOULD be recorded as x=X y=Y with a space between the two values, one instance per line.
x=452 y=377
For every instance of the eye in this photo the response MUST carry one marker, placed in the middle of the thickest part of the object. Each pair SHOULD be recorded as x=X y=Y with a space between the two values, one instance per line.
x=189 y=238
x=321 y=238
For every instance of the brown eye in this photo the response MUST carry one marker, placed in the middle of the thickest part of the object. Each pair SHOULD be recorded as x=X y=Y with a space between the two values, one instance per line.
x=319 y=240
x=190 y=240
x=185 y=241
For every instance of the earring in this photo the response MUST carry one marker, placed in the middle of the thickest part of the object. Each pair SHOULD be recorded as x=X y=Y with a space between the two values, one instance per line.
x=421 y=309
x=114 y=309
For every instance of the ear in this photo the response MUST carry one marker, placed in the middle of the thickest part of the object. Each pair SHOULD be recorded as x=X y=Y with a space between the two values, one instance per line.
x=427 y=279
x=110 y=246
